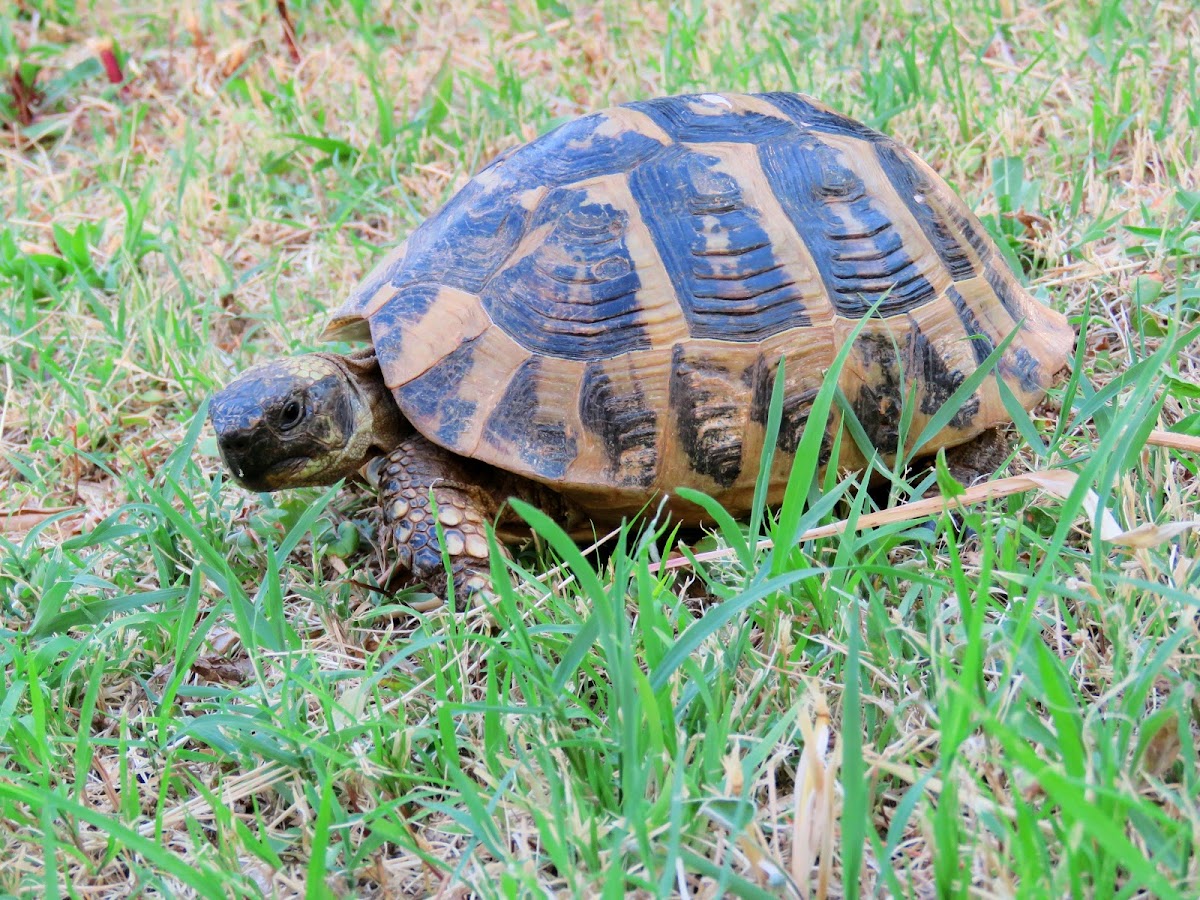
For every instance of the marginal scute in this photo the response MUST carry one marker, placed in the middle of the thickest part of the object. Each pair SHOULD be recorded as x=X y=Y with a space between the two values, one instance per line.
x=448 y=305
x=759 y=379
x=877 y=404
x=896 y=367
x=433 y=396
x=796 y=404
x=396 y=319
x=534 y=434
x=350 y=323
x=1025 y=369
x=938 y=380
x=793 y=421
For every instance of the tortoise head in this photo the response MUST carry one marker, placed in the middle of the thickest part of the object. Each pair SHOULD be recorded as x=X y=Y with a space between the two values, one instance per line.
x=305 y=420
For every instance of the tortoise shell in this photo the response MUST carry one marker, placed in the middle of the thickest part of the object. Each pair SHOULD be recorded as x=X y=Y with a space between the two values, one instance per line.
x=603 y=309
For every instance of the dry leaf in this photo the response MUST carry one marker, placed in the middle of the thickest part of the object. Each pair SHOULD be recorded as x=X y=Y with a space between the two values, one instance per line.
x=218 y=668
x=20 y=522
x=1151 y=535
x=222 y=640
x=1174 y=440
x=815 y=811
x=233 y=57
x=1060 y=483
x=734 y=780
x=1163 y=748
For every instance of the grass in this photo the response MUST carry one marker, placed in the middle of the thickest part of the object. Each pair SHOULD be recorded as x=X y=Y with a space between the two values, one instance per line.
x=202 y=694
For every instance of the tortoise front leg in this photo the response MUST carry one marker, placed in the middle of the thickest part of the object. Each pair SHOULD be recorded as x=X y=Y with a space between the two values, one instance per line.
x=465 y=503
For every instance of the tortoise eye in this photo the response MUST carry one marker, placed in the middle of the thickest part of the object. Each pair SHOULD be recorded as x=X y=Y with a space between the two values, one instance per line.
x=291 y=415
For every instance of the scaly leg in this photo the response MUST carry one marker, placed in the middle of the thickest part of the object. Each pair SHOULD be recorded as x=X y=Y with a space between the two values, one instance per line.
x=468 y=495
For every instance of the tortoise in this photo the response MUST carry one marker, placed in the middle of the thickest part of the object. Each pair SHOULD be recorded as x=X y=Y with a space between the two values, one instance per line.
x=596 y=318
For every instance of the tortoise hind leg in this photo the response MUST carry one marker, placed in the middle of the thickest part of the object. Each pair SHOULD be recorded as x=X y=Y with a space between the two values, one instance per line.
x=979 y=457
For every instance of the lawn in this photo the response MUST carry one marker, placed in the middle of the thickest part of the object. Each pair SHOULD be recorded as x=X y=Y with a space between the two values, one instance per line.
x=204 y=694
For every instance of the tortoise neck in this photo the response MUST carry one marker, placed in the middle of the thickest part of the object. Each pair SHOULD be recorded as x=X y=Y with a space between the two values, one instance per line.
x=386 y=425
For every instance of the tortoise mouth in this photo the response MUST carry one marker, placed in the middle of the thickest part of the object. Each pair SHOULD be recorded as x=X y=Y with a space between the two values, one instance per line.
x=266 y=479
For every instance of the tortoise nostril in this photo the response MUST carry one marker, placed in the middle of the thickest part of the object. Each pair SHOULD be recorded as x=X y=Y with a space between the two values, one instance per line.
x=236 y=443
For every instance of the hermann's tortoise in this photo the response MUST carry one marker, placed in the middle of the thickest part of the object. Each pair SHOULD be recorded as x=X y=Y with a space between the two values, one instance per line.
x=596 y=318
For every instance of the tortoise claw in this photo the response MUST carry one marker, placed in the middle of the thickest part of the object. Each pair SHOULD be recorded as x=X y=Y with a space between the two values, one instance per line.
x=373 y=471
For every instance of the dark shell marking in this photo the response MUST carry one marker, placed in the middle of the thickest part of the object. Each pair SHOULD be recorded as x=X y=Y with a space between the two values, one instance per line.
x=898 y=365
x=694 y=119
x=518 y=424
x=795 y=412
x=855 y=245
x=472 y=236
x=1026 y=370
x=914 y=190
x=878 y=402
x=1003 y=286
x=715 y=244
x=808 y=115
x=625 y=425
x=465 y=243
x=710 y=416
x=433 y=396
x=760 y=379
x=961 y=221
x=575 y=295
x=938 y=381
x=577 y=151
x=396 y=317
x=981 y=342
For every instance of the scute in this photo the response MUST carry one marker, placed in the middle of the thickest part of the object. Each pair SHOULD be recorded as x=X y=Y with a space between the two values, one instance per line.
x=574 y=293
x=712 y=117
x=732 y=281
x=522 y=426
x=807 y=113
x=615 y=412
x=604 y=309
x=850 y=231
